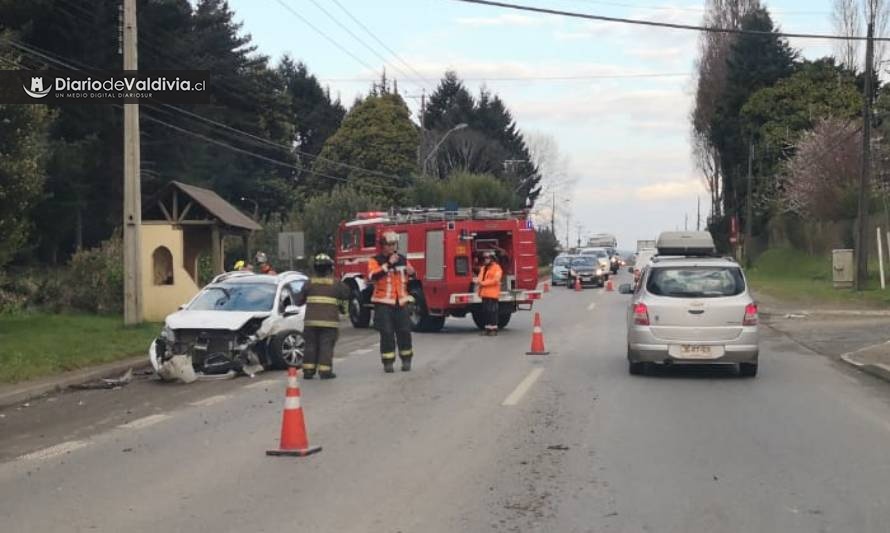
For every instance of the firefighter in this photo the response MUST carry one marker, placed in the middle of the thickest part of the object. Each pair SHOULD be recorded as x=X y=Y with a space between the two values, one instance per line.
x=322 y=296
x=263 y=264
x=489 y=287
x=390 y=272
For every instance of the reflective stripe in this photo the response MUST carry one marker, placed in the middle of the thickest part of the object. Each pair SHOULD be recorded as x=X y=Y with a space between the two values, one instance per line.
x=324 y=368
x=292 y=382
x=321 y=281
x=291 y=402
x=308 y=366
x=389 y=285
x=322 y=300
x=388 y=355
x=406 y=353
x=322 y=323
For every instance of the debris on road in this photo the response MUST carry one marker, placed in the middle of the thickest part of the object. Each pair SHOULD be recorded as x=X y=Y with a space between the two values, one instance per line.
x=560 y=447
x=115 y=383
x=796 y=315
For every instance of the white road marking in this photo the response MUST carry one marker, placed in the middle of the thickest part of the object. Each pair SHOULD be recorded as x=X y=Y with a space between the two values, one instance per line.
x=144 y=422
x=213 y=400
x=339 y=359
x=592 y=306
x=361 y=351
x=523 y=387
x=54 y=451
x=260 y=384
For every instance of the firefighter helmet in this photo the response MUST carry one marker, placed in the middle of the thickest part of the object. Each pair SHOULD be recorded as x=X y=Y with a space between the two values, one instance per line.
x=261 y=257
x=322 y=260
x=390 y=237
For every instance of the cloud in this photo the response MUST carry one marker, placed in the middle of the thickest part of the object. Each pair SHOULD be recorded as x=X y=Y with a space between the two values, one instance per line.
x=507 y=19
x=669 y=190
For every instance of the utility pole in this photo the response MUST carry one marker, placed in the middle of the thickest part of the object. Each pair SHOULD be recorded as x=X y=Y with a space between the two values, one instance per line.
x=568 y=225
x=862 y=219
x=748 y=207
x=578 y=227
x=685 y=221
x=132 y=185
x=698 y=215
x=553 y=216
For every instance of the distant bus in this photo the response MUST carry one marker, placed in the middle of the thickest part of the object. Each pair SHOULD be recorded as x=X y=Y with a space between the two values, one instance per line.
x=602 y=240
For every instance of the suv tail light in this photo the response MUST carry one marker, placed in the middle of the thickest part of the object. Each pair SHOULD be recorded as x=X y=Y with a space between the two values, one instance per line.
x=750 y=315
x=641 y=315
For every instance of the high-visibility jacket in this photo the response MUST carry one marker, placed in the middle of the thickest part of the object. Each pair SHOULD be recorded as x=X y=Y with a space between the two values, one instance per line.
x=322 y=297
x=489 y=281
x=390 y=281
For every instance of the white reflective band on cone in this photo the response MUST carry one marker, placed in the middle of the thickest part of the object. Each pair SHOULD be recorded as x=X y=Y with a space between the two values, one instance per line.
x=536 y=329
x=292 y=382
x=292 y=402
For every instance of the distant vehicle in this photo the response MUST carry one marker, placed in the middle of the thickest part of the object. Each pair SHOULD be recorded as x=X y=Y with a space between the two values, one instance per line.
x=559 y=272
x=587 y=270
x=645 y=245
x=691 y=307
x=239 y=320
x=602 y=256
x=602 y=240
x=444 y=247
x=641 y=261
x=614 y=260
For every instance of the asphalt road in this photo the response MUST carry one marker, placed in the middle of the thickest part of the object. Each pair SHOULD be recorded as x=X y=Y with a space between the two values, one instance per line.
x=481 y=437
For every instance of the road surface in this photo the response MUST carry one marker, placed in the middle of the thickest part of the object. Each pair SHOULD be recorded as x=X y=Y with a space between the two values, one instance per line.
x=478 y=437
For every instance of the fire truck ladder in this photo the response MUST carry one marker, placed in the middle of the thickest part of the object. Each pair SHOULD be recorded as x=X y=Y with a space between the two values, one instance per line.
x=409 y=215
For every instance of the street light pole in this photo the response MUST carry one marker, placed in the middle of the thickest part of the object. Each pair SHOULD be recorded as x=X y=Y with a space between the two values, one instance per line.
x=436 y=148
x=132 y=185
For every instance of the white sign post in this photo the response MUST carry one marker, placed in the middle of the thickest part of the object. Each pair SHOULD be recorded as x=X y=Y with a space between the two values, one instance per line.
x=881 y=260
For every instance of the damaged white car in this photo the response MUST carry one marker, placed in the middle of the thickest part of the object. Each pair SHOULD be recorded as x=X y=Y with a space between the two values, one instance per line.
x=240 y=322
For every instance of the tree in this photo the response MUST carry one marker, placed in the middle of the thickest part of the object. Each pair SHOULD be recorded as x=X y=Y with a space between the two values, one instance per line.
x=22 y=153
x=465 y=190
x=548 y=246
x=314 y=114
x=753 y=63
x=374 y=150
x=821 y=180
x=323 y=213
x=847 y=22
x=557 y=184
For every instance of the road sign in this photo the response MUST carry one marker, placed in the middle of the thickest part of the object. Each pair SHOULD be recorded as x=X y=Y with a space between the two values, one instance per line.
x=291 y=246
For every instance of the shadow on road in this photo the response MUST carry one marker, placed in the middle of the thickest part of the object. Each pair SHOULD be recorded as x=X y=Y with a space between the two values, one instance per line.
x=692 y=372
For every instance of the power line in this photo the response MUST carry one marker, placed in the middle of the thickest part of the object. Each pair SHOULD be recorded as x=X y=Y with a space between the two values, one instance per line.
x=323 y=34
x=362 y=42
x=690 y=9
x=544 y=78
x=381 y=43
x=639 y=22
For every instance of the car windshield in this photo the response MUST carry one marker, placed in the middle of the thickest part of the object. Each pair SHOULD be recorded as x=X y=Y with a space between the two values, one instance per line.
x=696 y=282
x=235 y=297
x=583 y=261
x=561 y=261
x=597 y=253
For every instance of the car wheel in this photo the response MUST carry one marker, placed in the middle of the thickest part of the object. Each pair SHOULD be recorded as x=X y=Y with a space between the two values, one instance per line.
x=637 y=368
x=359 y=315
x=748 y=370
x=504 y=319
x=421 y=320
x=287 y=350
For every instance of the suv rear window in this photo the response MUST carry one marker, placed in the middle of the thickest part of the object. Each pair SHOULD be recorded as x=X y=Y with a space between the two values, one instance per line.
x=696 y=282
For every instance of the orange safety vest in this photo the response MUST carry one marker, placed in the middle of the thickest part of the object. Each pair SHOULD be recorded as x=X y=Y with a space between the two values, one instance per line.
x=490 y=281
x=390 y=282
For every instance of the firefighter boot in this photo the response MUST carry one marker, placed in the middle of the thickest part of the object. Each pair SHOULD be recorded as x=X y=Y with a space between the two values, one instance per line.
x=387 y=366
x=308 y=374
x=327 y=375
x=406 y=365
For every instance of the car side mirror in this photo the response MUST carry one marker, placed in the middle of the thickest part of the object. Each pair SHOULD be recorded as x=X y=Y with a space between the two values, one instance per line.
x=291 y=310
x=625 y=288
x=182 y=307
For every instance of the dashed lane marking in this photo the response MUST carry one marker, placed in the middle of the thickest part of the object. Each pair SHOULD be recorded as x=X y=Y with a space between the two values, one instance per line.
x=212 y=400
x=260 y=384
x=361 y=351
x=592 y=306
x=144 y=422
x=54 y=451
x=523 y=387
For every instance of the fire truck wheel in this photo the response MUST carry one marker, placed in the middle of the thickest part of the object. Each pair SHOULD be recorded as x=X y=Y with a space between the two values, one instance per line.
x=504 y=319
x=421 y=321
x=479 y=319
x=359 y=315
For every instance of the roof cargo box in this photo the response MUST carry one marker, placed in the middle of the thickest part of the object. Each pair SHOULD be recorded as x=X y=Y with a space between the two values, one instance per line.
x=686 y=243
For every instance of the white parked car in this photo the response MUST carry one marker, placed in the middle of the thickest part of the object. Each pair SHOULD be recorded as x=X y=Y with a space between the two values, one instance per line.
x=691 y=307
x=241 y=321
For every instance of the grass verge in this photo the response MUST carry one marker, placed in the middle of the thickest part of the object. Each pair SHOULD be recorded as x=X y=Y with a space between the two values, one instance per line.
x=796 y=277
x=35 y=345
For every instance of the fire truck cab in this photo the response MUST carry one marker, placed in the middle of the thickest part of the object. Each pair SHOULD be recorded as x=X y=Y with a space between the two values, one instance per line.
x=444 y=247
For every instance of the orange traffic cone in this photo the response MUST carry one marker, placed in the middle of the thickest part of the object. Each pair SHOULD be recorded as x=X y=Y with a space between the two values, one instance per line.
x=537 y=338
x=609 y=286
x=294 y=440
x=578 y=284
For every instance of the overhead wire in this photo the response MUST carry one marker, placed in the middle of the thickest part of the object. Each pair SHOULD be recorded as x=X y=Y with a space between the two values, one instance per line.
x=670 y=25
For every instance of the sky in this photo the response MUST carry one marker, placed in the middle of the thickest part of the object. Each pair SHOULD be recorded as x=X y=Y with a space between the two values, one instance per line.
x=625 y=137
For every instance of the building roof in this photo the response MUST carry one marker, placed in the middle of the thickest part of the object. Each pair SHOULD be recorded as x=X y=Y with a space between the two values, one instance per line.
x=215 y=205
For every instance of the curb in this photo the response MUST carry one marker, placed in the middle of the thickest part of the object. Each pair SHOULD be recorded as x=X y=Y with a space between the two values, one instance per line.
x=878 y=313
x=878 y=370
x=22 y=392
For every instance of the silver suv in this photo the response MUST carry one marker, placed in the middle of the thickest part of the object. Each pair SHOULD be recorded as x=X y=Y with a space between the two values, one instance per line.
x=692 y=309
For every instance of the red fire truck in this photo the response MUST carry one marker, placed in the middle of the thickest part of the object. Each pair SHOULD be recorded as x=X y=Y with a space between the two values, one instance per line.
x=444 y=247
